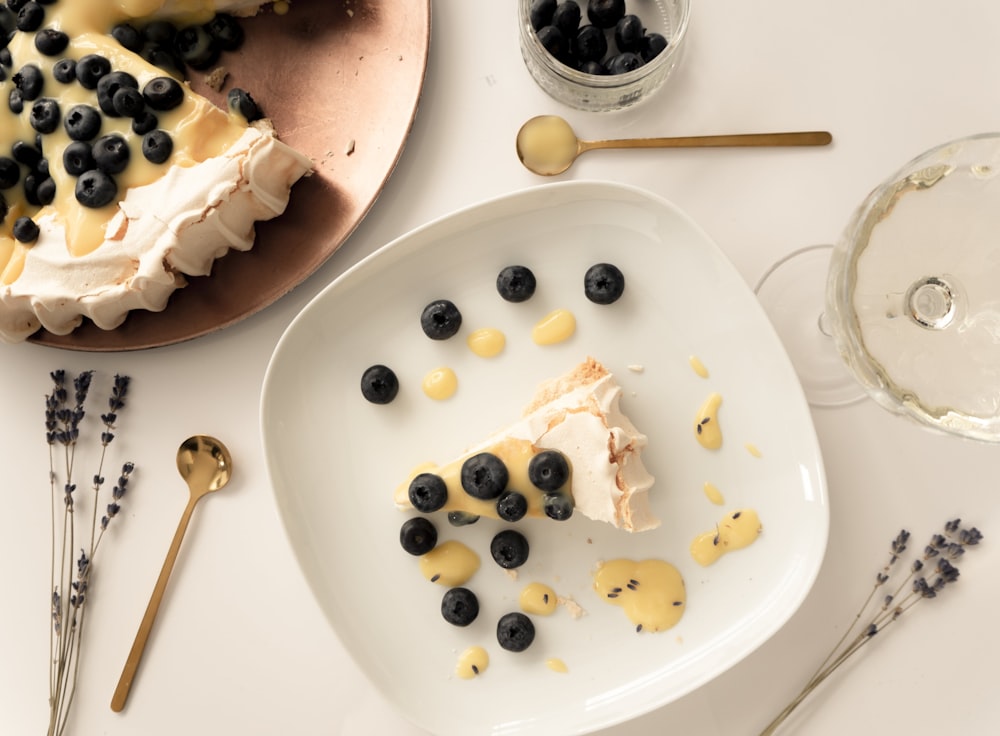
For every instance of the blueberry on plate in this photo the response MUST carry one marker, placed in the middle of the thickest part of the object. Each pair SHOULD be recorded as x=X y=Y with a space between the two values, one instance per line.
x=10 y=172
x=548 y=470
x=239 y=101
x=90 y=69
x=603 y=283
x=515 y=632
x=605 y=13
x=128 y=36
x=379 y=384
x=196 y=47
x=144 y=122
x=509 y=549
x=108 y=85
x=51 y=42
x=459 y=606
x=512 y=506
x=226 y=30
x=111 y=152
x=440 y=320
x=95 y=188
x=428 y=492
x=484 y=476
x=29 y=80
x=162 y=93
x=78 y=158
x=64 y=71
x=128 y=102
x=557 y=506
x=44 y=115
x=418 y=535
x=516 y=283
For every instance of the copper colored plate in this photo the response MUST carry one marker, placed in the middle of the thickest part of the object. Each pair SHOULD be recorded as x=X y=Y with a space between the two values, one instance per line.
x=341 y=81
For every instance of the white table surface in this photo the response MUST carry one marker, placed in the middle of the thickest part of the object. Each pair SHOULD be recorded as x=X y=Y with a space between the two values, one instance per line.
x=242 y=648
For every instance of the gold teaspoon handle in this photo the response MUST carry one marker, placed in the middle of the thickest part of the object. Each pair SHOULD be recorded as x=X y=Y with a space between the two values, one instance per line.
x=805 y=138
x=146 y=626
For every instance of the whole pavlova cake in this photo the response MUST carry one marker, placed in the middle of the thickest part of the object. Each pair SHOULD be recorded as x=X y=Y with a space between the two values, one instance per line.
x=116 y=179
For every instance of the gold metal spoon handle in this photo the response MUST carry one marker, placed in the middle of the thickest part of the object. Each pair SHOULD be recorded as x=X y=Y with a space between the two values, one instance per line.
x=146 y=625
x=804 y=138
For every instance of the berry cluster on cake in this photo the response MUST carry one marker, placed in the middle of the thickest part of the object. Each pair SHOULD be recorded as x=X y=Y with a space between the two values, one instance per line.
x=116 y=179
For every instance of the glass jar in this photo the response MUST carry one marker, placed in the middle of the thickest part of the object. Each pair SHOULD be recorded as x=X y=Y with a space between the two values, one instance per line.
x=601 y=92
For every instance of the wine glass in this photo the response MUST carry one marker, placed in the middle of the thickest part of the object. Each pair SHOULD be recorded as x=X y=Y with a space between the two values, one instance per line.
x=911 y=310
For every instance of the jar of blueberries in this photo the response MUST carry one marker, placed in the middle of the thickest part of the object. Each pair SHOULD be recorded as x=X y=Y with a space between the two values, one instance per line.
x=601 y=55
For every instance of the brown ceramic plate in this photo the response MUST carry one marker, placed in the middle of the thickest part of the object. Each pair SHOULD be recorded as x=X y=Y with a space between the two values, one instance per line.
x=341 y=81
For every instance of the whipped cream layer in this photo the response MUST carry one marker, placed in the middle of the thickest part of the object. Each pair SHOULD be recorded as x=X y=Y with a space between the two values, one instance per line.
x=579 y=415
x=168 y=219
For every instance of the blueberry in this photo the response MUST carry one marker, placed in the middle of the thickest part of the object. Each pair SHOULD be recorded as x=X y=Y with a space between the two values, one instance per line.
x=428 y=492
x=226 y=30
x=591 y=44
x=44 y=115
x=557 y=506
x=509 y=549
x=159 y=31
x=540 y=13
x=90 y=69
x=418 y=535
x=29 y=80
x=30 y=17
x=548 y=470
x=239 y=101
x=4 y=208
x=128 y=36
x=512 y=506
x=196 y=47
x=108 y=85
x=440 y=320
x=82 y=122
x=78 y=158
x=629 y=33
x=157 y=145
x=163 y=93
x=379 y=384
x=64 y=71
x=5 y=58
x=553 y=41
x=8 y=21
x=593 y=67
x=25 y=230
x=164 y=57
x=15 y=101
x=128 y=102
x=95 y=189
x=516 y=283
x=31 y=182
x=624 y=63
x=605 y=13
x=111 y=153
x=603 y=283
x=484 y=476
x=461 y=518
x=46 y=191
x=459 y=606
x=27 y=154
x=10 y=172
x=51 y=42
x=567 y=17
x=652 y=45
x=144 y=122
x=515 y=632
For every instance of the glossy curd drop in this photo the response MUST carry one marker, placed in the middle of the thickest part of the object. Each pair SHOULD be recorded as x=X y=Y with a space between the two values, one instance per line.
x=651 y=592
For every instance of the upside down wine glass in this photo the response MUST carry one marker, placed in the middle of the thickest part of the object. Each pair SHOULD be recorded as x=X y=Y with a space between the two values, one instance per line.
x=911 y=309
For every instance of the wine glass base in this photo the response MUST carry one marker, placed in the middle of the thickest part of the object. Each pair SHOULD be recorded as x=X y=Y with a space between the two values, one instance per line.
x=793 y=293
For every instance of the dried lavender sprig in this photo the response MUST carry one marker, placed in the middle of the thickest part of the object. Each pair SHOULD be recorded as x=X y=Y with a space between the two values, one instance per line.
x=945 y=573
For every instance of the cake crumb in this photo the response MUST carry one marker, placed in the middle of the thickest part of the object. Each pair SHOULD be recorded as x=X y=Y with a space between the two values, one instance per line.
x=574 y=609
x=511 y=573
x=216 y=78
x=637 y=368
x=349 y=149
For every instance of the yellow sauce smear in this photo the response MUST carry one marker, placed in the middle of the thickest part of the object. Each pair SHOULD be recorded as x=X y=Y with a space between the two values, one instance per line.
x=736 y=531
x=440 y=384
x=538 y=599
x=472 y=662
x=651 y=592
x=753 y=449
x=556 y=665
x=486 y=342
x=706 y=423
x=449 y=564
x=697 y=366
x=713 y=494
x=555 y=327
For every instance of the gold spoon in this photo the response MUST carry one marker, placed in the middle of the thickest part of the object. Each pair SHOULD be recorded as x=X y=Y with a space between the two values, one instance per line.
x=205 y=463
x=548 y=146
